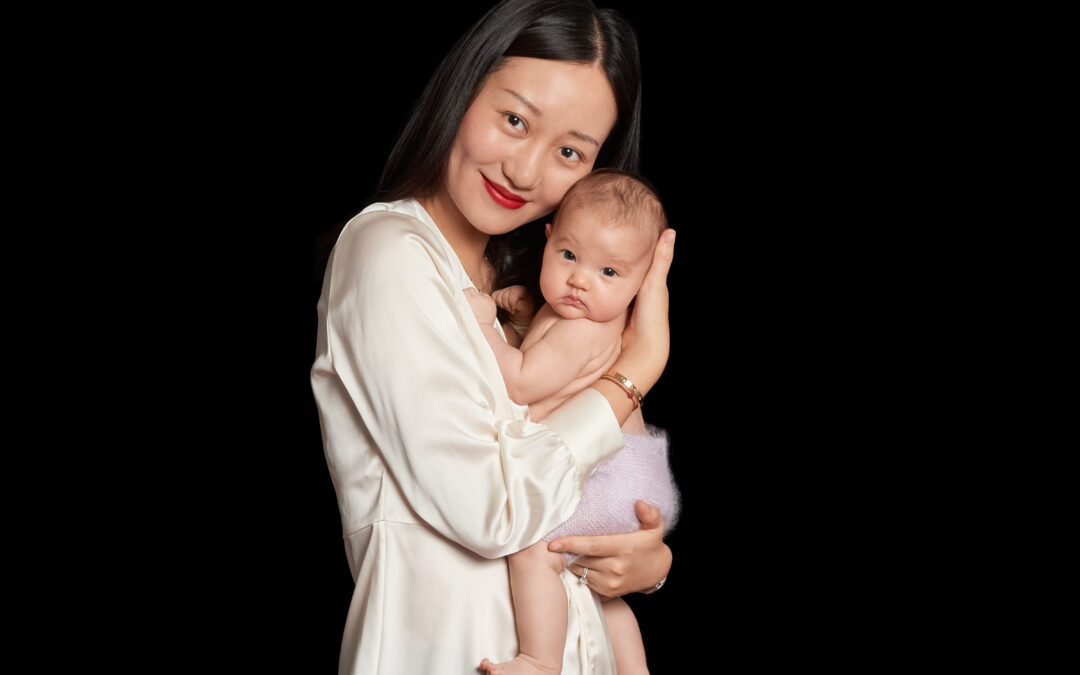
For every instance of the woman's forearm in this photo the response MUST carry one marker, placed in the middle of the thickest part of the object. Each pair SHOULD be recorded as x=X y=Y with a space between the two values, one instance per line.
x=620 y=403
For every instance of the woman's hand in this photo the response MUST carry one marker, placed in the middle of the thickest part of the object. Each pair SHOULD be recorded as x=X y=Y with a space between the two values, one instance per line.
x=622 y=563
x=647 y=339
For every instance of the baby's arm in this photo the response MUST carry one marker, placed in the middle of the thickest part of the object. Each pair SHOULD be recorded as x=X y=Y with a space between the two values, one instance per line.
x=484 y=309
x=550 y=364
x=562 y=355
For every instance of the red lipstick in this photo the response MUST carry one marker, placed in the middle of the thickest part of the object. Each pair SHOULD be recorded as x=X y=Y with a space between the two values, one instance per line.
x=502 y=196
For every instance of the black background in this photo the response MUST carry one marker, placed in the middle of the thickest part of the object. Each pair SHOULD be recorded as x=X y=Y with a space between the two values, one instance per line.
x=753 y=132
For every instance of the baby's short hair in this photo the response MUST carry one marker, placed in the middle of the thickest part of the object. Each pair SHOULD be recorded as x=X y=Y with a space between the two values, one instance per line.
x=620 y=197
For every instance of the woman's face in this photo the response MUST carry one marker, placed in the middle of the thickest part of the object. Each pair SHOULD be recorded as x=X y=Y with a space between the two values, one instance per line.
x=533 y=130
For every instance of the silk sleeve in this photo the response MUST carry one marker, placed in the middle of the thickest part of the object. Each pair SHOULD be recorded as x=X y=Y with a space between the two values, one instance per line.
x=401 y=339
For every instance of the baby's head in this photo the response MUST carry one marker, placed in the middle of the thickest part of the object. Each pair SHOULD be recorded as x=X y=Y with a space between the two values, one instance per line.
x=600 y=245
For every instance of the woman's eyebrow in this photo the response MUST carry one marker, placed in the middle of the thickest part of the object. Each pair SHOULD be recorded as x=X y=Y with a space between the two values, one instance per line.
x=539 y=113
x=585 y=137
x=529 y=104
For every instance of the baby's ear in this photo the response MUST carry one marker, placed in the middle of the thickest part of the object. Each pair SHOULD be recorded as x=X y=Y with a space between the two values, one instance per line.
x=547 y=231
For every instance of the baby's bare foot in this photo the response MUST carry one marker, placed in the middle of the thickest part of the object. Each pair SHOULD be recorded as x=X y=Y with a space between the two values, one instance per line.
x=521 y=665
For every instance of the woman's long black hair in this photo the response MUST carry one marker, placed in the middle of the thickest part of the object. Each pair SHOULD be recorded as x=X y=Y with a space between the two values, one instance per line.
x=561 y=30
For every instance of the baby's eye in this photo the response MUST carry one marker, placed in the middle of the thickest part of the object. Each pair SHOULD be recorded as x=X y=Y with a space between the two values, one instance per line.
x=569 y=256
x=515 y=121
x=570 y=153
x=608 y=272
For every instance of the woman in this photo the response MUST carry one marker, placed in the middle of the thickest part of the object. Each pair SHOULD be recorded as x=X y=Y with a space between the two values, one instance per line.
x=438 y=474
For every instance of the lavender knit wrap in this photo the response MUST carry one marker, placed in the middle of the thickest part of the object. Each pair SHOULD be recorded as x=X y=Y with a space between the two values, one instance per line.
x=639 y=471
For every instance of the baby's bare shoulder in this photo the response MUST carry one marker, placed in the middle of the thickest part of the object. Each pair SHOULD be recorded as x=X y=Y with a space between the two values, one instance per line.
x=585 y=334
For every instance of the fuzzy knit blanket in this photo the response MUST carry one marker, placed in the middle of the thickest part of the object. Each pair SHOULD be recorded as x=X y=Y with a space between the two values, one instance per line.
x=639 y=471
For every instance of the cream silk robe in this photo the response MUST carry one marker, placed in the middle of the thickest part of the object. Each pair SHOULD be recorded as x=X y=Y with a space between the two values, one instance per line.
x=438 y=473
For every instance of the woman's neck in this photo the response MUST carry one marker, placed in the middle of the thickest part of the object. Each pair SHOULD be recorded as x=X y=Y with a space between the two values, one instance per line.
x=468 y=243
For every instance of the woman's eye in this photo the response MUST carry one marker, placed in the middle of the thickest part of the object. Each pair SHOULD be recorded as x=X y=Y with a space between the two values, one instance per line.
x=608 y=272
x=515 y=121
x=568 y=255
x=570 y=153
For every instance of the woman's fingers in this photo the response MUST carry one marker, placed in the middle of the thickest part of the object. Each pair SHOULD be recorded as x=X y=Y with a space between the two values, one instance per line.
x=609 y=559
x=604 y=579
x=603 y=545
x=647 y=338
x=611 y=544
x=622 y=563
x=619 y=575
x=651 y=304
x=661 y=262
x=649 y=515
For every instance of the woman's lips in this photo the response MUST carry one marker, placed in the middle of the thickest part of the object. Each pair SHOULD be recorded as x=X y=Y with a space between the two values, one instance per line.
x=502 y=196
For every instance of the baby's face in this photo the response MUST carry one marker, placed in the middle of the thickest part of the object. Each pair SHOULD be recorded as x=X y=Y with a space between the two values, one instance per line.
x=593 y=269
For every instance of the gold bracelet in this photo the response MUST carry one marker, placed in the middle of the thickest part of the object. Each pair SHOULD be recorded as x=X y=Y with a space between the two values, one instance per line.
x=656 y=587
x=626 y=385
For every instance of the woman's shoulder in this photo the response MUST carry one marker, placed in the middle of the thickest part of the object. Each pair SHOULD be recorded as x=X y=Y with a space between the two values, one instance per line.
x=383 y=221
x=387 y=229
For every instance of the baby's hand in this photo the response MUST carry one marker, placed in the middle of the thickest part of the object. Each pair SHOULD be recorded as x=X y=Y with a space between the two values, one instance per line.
x=483 y=306
x=516 y=301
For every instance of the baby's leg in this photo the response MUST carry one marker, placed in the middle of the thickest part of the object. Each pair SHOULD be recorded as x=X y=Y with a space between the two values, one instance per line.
x=625 y=638
x=540 y=611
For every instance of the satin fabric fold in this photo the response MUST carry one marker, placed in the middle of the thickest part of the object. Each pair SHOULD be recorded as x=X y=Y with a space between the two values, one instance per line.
x=438 y=474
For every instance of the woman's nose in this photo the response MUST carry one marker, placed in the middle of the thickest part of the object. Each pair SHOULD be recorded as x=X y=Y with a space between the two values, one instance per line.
x=522 y=167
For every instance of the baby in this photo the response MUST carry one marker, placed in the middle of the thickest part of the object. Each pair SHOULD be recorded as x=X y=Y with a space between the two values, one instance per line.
x=599 y=247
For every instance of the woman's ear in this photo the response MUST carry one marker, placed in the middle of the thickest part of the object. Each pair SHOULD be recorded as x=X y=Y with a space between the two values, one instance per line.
x=547 y=231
